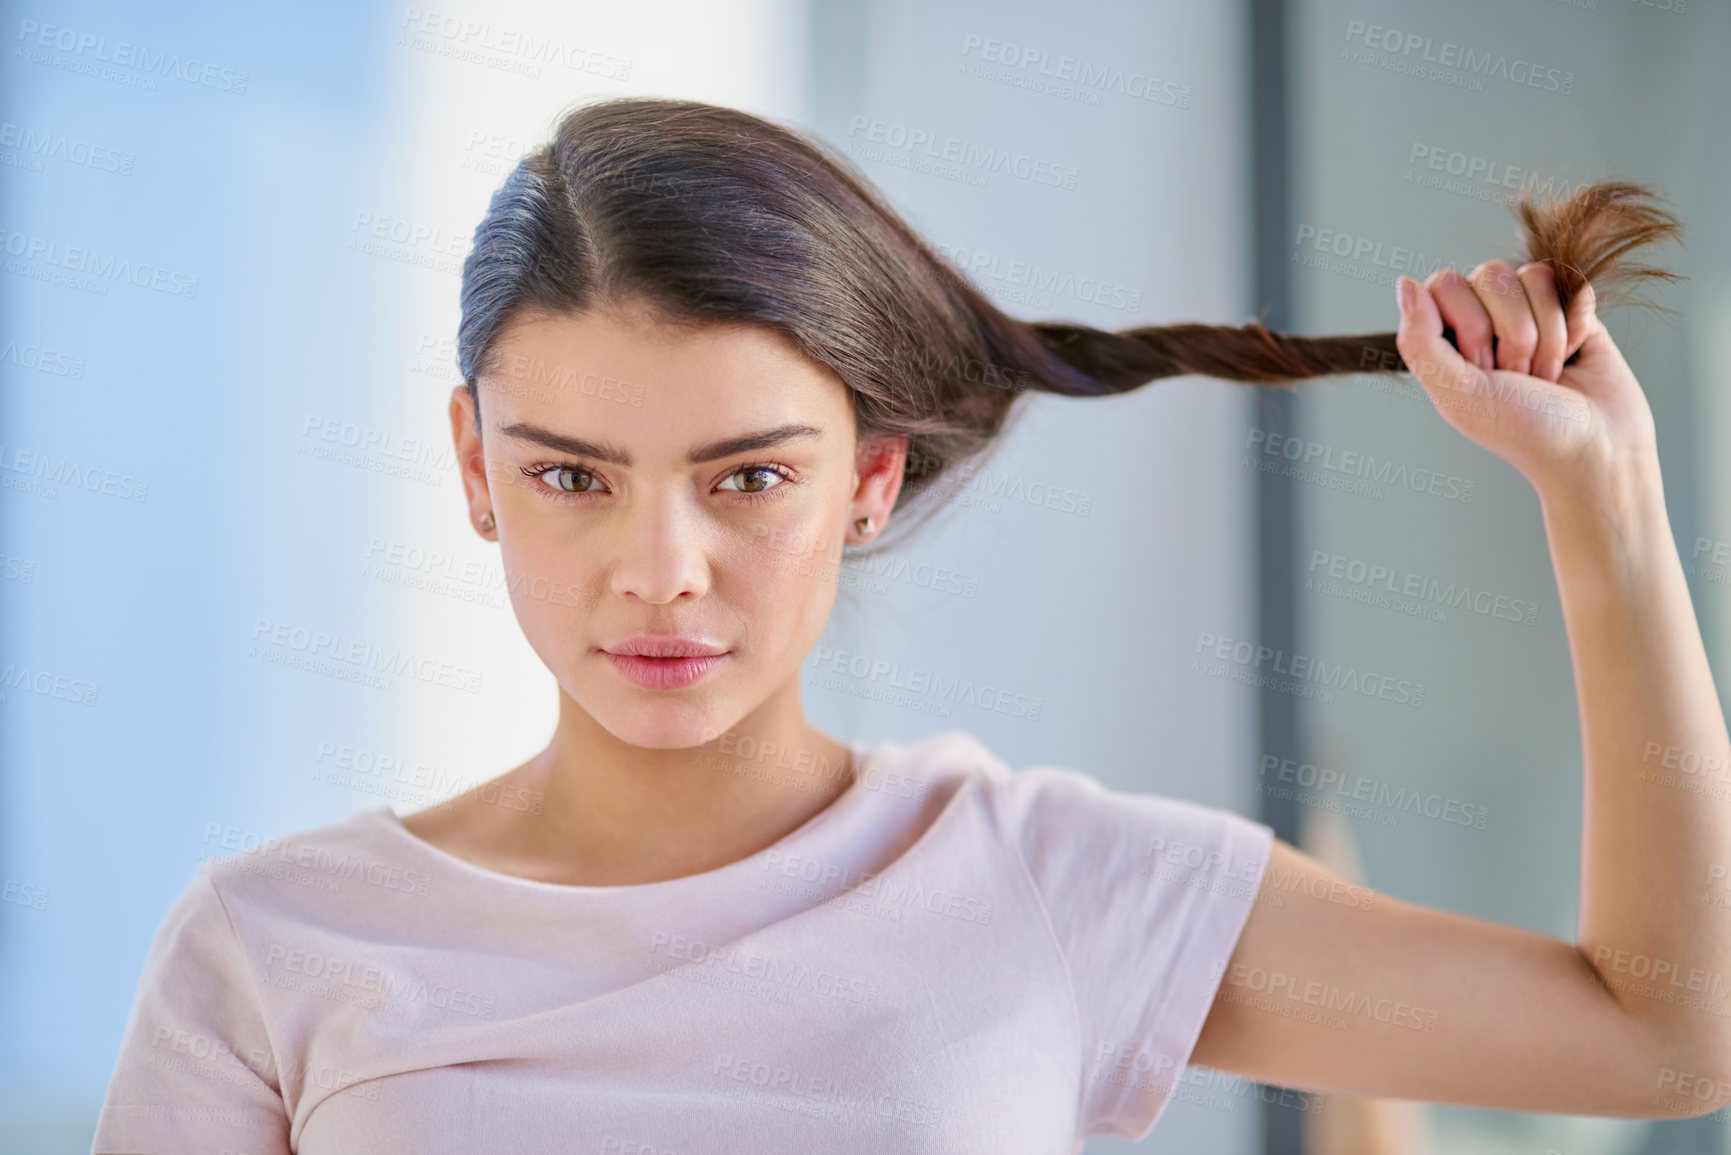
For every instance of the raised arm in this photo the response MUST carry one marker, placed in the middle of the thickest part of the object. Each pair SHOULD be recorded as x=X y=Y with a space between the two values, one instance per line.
x=1367 y=995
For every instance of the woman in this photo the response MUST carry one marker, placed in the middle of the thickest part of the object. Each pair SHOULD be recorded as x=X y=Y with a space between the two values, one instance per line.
x=700 y=356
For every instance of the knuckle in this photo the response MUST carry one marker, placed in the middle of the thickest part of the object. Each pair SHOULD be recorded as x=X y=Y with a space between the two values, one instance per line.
x=1523 y=337
x=1496 y=277
x=1540 y=283
x=1476 y=328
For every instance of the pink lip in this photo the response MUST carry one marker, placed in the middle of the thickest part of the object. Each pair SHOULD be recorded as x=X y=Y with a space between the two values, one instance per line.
x=662 y=673
x=663 y=661
x=665 y=646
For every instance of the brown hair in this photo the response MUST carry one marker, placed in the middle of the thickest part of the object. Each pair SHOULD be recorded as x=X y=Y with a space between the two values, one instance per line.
x=708 y=214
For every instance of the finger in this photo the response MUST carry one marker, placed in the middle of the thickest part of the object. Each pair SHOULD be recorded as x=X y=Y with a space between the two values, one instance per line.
x=1504 y=298
x=1540 y=284
x=1462 y=311
x=1583 y=320
x=1436 y=364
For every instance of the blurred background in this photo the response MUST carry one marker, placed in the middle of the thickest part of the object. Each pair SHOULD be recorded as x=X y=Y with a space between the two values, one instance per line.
x=232 y=242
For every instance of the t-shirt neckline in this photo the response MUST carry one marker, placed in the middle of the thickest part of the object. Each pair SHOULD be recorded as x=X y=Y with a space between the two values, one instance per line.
x=846 y=801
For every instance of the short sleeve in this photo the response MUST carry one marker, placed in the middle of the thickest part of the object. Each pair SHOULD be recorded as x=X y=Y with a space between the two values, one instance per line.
x=1147 y=896
x=196 y=1072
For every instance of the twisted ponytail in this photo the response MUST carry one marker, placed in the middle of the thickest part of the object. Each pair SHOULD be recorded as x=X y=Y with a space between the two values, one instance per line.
x=1584 y=239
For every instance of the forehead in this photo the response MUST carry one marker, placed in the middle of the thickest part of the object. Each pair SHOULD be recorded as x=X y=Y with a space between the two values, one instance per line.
x=629 y=370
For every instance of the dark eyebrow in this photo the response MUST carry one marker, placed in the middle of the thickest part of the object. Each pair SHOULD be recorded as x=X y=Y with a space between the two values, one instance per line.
x=715 y=450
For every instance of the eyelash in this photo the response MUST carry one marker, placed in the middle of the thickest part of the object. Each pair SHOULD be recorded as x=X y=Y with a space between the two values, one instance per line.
x=535 y=472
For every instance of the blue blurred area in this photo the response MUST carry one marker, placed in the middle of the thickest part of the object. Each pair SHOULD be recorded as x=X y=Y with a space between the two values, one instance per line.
x=125 y=586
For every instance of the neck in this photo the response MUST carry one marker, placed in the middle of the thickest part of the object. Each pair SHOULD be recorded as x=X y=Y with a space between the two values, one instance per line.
x=615 y=814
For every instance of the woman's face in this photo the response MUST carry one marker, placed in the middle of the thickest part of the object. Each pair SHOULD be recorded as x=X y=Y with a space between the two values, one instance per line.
x=622 y=509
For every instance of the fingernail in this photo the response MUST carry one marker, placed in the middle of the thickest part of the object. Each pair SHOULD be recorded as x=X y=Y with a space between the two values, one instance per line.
x=1483 y=360
x=1404 y=294
x=1549 y=369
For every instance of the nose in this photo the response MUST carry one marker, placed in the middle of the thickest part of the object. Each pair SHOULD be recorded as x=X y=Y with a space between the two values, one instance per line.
x=660 y=548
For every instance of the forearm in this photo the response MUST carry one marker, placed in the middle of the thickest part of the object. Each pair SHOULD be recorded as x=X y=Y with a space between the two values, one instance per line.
x=1657 y=760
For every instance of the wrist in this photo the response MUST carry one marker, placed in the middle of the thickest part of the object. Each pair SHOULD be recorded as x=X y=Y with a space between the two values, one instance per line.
x=1613 y=512
x=1614 y=484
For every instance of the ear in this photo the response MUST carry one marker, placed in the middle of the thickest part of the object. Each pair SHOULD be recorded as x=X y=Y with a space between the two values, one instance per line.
x=471 y=461
x=877 y=484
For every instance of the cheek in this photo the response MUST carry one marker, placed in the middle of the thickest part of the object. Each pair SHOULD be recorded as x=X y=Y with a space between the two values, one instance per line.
x=548 y=584
x=783 y=580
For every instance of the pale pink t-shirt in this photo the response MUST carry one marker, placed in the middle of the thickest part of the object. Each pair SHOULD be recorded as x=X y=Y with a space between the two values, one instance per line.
x=951 y=956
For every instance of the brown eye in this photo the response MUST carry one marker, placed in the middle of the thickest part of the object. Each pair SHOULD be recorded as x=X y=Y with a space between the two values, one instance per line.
x=565 y=479
x=764 y=477
x=775 y=478
x=563 y=473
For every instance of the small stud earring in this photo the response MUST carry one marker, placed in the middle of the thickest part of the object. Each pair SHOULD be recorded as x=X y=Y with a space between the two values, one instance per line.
x=487 y=523
x=863 y=526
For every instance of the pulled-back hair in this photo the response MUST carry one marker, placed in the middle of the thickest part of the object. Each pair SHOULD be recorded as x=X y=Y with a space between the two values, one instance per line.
x=707 y=214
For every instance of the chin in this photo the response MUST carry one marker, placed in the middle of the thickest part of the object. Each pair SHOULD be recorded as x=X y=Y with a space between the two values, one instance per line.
x=661 y=725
